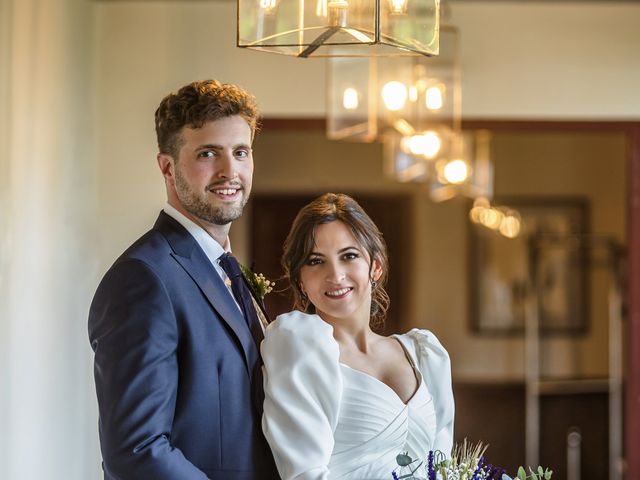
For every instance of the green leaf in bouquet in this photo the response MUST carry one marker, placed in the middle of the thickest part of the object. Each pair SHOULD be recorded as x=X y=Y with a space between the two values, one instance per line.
x=403 y=459
x=522 y=474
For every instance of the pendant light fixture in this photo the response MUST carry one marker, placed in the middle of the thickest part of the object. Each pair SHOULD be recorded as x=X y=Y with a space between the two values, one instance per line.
x=330 y=28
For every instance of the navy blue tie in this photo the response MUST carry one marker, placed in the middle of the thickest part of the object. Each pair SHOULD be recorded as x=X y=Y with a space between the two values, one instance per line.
x=243 y=296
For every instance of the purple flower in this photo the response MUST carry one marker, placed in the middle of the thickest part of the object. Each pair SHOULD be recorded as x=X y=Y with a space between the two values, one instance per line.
x=478 y=471
x=431 y=472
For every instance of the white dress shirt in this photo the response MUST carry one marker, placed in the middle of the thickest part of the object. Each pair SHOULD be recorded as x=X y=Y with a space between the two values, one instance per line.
x=212 y=249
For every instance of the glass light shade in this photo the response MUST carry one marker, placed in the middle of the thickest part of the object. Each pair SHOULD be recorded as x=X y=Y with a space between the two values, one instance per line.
x=421 y=93
x=322 y=28
x=466 y=170
x=410 y=158
x=402 y=165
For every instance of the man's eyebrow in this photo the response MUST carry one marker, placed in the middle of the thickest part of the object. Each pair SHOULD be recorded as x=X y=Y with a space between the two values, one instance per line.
x=208 y=146
x=213 y=146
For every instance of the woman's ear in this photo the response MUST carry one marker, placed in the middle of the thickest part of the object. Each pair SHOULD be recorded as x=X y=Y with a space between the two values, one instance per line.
x=376 y=270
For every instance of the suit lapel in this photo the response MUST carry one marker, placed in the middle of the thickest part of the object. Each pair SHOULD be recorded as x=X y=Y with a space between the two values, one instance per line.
x=193 y=260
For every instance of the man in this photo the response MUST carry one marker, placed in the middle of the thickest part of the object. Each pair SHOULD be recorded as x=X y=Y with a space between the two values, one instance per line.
x=177 y=366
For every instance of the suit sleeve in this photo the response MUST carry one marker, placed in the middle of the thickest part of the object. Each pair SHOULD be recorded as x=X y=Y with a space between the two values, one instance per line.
x=134 y=335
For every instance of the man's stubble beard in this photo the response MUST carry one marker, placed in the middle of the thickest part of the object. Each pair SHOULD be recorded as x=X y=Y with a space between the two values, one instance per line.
x=200 y=208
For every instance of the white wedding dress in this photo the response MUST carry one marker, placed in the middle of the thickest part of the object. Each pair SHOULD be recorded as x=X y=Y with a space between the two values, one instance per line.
x=325 y=420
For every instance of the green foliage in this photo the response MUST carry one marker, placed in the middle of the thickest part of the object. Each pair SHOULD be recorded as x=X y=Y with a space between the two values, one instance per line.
x=537 y=474
x=257 y=282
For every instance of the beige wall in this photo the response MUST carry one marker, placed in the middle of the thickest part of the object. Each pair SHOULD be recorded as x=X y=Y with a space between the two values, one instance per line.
x=47 y=260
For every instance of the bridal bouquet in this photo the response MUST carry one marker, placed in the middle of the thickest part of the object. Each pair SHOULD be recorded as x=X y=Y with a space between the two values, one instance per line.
x=466 y=463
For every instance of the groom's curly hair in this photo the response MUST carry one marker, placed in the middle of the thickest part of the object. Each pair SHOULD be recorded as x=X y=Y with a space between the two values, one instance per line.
x=301 y=240
x=197 y=103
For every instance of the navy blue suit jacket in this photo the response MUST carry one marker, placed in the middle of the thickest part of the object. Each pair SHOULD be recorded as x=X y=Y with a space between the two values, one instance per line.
x=175 y=367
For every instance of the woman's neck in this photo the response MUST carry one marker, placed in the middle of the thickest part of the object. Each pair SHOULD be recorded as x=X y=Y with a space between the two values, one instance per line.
x=354 y=337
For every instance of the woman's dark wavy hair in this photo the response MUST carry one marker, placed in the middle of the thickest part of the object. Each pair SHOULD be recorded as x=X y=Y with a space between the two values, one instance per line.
x=301 y=240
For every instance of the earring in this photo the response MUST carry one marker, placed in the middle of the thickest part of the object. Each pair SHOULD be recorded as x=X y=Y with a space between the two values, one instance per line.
x=373 y=284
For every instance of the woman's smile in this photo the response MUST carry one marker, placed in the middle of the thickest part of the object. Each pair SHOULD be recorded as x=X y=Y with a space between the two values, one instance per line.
x=336 y=276
x=339 y=293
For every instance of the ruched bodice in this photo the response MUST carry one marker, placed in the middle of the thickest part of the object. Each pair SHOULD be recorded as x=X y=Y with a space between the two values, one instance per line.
x=326 y=420
x=374 y=425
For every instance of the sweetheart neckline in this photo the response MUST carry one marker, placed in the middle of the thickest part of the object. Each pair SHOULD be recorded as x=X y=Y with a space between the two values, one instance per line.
x=377 y=380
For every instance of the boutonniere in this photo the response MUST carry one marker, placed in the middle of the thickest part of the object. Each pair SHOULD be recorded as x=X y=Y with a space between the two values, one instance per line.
x=257 y=282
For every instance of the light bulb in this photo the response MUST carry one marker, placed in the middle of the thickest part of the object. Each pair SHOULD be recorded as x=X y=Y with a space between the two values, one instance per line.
x=510 y=226
x=426 y=144
x=479 y=205
x=268 y=5
x=398 y=7
x=455 y=171
x=433 y=97
x=491 y=218
x=394 y=95
x=350 y=98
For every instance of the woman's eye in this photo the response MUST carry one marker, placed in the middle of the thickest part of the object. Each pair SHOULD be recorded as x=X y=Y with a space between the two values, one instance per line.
x=351 y=256
x=314 y=261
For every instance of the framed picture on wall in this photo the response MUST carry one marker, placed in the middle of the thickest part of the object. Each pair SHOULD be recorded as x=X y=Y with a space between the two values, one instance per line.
x=502 y=269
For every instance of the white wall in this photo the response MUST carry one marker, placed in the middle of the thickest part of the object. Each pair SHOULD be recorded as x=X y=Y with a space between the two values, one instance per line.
x=48 y=268
x=549 y=59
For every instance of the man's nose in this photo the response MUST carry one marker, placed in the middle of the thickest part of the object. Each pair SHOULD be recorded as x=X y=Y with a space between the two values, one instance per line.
x=226 y=166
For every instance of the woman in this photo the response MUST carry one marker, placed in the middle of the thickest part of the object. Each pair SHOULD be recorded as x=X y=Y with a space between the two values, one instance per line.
x=340 y=400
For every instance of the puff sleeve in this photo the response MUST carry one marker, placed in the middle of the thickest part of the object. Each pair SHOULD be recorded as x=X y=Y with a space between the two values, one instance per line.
x=303 y=387
x=435 y=366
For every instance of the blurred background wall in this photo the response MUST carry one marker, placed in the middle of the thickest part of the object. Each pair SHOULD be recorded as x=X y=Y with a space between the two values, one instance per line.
x=79 y=82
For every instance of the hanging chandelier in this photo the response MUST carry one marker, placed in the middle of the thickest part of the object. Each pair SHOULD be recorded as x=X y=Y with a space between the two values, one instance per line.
x=368 y=98
x=413 y=105
x=338 y=28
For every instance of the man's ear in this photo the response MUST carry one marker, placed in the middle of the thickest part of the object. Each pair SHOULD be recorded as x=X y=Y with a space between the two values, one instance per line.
x=376 y=270
x=166 y=164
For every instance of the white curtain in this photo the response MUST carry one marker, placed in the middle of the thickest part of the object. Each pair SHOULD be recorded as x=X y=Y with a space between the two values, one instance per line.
x=47 y=269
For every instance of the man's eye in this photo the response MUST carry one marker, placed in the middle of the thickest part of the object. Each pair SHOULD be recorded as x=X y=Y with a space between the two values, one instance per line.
x=206 y=154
